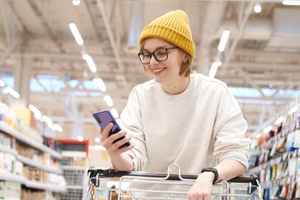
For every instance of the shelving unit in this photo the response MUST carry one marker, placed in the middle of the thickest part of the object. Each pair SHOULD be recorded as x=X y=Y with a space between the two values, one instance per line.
x=277 y=163
x=19 y=136
x=41 y=181
x=32 y=184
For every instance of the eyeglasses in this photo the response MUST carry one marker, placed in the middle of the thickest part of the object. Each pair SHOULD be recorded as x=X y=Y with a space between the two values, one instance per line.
x=160 y=55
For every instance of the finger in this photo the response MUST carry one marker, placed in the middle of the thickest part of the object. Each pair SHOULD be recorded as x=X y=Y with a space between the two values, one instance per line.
x=124 y=149
x=106 y=130
x=109 y=142
x=117 y=145
x=192 y=196
x=115 y=137
x=206 y=197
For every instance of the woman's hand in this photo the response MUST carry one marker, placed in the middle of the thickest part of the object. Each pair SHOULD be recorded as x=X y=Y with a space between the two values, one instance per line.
x=112 y=143
x=202 y=188
x=119 y=159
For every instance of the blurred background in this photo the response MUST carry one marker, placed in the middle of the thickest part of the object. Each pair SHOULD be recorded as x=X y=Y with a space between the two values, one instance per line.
x=62 y=60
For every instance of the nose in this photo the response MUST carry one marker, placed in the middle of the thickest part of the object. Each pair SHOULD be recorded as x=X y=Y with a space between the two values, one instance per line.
x=153 y=61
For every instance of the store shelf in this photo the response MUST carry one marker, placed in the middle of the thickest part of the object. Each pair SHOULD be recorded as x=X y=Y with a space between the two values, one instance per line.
x=75 y=187
x=31 y=184
x=273 y=161
x=31 y=162
x=39 y=165
x=12 y=178
x=21 y=137
x=68 y=167
x=47 y=187
x=8 y=150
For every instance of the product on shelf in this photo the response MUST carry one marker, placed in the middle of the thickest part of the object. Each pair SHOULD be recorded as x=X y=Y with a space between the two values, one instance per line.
x=8 y=162
x=5 y=141
x=10 y=190
x=25 y=150
x=35 y=174
x=276 y=159
x=28 y=194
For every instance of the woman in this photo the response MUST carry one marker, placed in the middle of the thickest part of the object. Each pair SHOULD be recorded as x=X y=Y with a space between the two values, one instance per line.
x=179 y=117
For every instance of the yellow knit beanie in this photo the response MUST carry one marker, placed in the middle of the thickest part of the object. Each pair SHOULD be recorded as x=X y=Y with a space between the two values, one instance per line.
x=172 y=27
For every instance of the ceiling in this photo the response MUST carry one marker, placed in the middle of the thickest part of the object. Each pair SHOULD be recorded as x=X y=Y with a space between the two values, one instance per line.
x=263 y=50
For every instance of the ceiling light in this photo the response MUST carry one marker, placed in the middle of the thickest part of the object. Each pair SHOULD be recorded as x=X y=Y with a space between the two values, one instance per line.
x=97 y=140
x=267 y=129
x=108 y=100
x=80 y=138
x=89 y=60
x=11 y=92
x=76 y=2
x=279 y=120
x=37 y=113
x=291 y=2
x=100 y=83
x=76 y=34
x=57 y=127
x=257 y=8
x=114 y=113
x=293 y=109
x=47 y=120
x=2 y=84
x=214 y=68
x=223 y=41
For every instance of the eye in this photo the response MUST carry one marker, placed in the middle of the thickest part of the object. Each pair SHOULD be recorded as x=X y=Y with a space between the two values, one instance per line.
x=161 y=52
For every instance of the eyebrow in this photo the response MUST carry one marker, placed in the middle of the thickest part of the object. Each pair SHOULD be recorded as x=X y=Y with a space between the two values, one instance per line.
x=143 y=49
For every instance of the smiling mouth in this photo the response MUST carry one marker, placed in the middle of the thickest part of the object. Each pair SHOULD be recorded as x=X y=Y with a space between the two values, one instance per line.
x=157 y=71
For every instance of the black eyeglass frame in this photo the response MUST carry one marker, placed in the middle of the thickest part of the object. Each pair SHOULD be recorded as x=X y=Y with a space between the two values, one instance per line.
x=153 y=54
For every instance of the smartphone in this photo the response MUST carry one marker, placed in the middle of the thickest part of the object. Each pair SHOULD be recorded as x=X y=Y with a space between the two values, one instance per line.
x=104 y=118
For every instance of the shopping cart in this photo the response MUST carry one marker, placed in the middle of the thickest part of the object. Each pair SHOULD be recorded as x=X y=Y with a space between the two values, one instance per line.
x=110 y=184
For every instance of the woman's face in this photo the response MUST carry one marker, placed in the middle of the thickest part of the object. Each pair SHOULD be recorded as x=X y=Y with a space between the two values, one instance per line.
x=165 y=68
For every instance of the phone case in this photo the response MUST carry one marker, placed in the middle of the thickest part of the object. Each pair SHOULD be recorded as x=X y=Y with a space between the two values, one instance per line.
x=104 y=118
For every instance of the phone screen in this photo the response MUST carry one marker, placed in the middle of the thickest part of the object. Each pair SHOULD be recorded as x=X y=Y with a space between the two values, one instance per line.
x=104 y=118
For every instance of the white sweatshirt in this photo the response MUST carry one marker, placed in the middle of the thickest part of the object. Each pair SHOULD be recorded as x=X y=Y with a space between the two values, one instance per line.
x=194 y=129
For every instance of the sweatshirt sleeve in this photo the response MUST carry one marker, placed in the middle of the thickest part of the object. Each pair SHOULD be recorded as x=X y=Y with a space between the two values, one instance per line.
x=132 y=124
x=229 y=130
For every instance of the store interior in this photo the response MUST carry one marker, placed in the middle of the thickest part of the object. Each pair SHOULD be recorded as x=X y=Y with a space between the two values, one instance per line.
x=63 y=60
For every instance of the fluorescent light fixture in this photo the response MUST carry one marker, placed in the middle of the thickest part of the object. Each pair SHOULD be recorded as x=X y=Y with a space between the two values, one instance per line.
x=100 y=83
x=291 y=2
x=279 y=120
x=76 y=2
x=257 y=8
x=76 y=34
x=214 y=68
x=267 y=129
x=47 y=120
x=89 y=60
x=11 y=92
x=293 y=109
x=114 y=112
x=80 y=138
x=97 y=148
x=223 y=41
x=108 y=100
x=97 y=140
x=57 y=127
x=37 y=113
x=2 y=84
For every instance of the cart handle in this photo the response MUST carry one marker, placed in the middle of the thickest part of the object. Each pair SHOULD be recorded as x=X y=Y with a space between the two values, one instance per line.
x=109 y=173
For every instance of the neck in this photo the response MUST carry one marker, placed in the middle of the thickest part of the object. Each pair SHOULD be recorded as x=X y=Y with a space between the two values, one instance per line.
x=176 y=87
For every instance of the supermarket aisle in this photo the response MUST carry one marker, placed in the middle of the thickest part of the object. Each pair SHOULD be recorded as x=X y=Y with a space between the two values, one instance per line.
x=63 y=60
